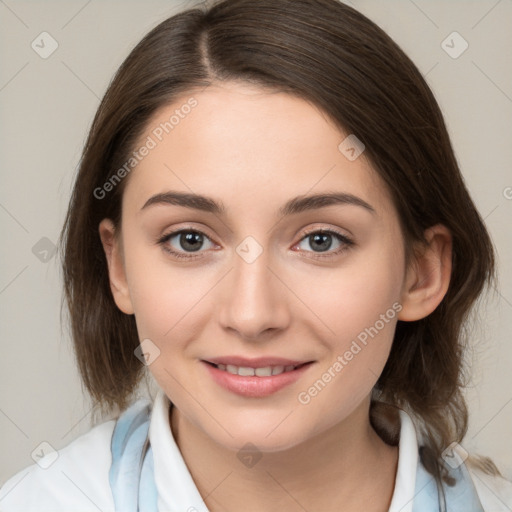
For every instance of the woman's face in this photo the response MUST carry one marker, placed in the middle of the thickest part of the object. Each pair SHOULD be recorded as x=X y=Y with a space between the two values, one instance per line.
x=251 y=282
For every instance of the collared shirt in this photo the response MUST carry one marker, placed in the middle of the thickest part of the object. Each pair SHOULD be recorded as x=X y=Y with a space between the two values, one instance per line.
x=78 y=478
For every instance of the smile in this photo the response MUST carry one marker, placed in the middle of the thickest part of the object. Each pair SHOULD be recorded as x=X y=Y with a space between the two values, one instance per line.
x=263 y=371
x=260 y=380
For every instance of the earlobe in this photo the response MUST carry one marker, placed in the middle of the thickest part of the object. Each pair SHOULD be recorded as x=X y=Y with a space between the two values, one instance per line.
x=116 y=270
x=428 y=276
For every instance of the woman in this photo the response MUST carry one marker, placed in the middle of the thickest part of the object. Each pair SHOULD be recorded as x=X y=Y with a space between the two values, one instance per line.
x=228 y=146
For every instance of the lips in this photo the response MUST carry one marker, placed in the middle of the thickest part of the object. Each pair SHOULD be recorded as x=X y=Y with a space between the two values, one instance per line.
x=258 y=377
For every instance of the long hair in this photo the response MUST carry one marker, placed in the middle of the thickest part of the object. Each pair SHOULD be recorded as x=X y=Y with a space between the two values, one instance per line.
x=331 y=55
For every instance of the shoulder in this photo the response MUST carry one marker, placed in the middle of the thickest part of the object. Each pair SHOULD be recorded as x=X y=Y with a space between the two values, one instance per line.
x=495 y=492
x=75 y=476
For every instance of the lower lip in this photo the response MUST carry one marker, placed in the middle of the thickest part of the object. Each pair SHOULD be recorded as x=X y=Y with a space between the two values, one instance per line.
x=255 y=387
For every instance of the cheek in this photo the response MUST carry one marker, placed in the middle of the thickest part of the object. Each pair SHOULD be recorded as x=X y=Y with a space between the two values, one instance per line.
x=352 y=298
x=168 y=300
x=165 y=306
x=151 y=292
x=358 y=307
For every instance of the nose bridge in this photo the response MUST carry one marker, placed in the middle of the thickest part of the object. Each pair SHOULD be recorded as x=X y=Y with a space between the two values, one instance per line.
x=255 y=300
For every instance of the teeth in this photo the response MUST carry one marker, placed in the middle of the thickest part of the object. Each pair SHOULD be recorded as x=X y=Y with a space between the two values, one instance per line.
x=232 y=369
x=276 y=370
x=246 y=371
x=263 y=372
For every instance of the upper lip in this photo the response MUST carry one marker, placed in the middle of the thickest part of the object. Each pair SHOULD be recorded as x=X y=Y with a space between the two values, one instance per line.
x=258 y=362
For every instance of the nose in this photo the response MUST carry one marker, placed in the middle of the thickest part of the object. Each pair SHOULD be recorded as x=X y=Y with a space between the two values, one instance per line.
x=255 y=299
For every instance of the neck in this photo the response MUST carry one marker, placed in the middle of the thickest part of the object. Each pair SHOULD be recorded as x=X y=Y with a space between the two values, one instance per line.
x=346 y=467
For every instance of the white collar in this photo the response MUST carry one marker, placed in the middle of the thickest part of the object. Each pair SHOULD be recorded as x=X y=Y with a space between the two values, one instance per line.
x=178 y=492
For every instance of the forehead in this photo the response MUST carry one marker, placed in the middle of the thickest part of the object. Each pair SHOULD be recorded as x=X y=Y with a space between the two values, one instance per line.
x=247 y=145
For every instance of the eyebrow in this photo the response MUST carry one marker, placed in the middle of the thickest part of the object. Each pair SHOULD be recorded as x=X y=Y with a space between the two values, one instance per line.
x=293 y=206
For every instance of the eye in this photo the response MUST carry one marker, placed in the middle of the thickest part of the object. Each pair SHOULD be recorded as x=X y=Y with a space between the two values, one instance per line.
x=187 y=240
x=184 y=242
x=322 y=239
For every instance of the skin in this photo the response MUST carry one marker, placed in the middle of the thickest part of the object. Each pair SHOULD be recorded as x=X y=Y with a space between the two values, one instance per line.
x=253 y=150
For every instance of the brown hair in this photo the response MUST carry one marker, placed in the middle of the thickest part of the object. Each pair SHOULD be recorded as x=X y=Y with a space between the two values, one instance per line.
x=333 y=56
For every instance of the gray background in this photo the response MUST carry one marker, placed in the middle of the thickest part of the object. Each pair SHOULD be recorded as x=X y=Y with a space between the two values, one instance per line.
x=47 y=105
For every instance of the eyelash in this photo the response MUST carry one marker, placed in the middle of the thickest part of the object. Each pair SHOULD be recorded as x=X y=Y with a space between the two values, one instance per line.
x=347 y=242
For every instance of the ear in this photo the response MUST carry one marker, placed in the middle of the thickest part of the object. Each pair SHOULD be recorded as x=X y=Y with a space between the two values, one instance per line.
x=428 y=275
x=116 y=270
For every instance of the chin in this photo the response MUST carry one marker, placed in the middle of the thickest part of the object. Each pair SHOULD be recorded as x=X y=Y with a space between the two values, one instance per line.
x=260 y=443
x=271 y=436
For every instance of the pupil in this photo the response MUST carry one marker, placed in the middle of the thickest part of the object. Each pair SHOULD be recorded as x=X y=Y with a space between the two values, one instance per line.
x=322 y=237
x=191 y=241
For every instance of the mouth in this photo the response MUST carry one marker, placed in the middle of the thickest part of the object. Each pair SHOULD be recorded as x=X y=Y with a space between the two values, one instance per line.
x=258 y=371
x=257 y=378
